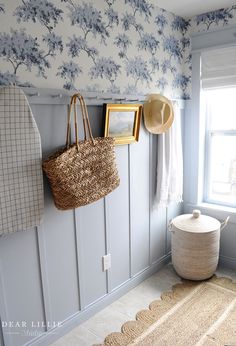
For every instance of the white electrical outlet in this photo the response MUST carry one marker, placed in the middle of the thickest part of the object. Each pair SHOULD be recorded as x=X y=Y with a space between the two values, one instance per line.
x=106 y=262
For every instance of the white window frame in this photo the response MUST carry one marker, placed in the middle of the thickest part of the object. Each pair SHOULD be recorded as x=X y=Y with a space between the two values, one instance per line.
x=207 y=170
x=195 y=133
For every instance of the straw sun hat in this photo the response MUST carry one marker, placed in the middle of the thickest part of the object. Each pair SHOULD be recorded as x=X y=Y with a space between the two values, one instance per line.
x=158 y=114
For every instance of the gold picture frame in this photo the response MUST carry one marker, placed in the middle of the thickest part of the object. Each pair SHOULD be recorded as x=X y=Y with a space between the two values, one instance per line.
x=122 y=121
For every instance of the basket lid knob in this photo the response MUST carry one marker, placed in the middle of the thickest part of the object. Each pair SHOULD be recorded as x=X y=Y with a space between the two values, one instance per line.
x=196 y=223
x=196 y=213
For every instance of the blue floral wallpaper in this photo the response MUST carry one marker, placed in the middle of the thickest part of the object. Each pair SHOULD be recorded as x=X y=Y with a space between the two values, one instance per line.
x=118 y=46
x=213 y=20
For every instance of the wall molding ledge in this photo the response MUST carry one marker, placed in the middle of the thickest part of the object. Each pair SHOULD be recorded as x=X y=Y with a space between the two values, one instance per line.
x=48 y=337
x=219 y=212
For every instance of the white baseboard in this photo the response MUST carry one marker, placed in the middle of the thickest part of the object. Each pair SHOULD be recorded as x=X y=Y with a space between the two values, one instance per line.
x=49 y=337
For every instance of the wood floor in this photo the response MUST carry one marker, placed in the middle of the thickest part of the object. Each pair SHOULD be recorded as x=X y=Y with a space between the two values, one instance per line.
x=124 y=309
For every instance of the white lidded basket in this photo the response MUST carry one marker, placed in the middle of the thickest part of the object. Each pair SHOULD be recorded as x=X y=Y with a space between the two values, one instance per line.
x=195 y=244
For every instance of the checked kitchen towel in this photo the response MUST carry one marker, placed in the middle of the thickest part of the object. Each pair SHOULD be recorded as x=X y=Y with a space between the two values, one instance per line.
x=21 y=180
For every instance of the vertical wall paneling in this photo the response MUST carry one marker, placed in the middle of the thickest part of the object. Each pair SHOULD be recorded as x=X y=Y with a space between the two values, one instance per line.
x=1 y=335
x=139 y=199
x=157 y=216
x=91 y=225
x=96 y=120
x=55 y=272
x=51 y=121
x=44 y=276
x=117 y=217
x=61 y=260
x=150 y=191
x=228 y=241
x=4 y=337
x=78 y=268
x=20 y=272
x=107 y=246
x=157 y=234
x=169 y=216
x=130 y=237
x=167 y=233
x=58 y=226
x=172 y=211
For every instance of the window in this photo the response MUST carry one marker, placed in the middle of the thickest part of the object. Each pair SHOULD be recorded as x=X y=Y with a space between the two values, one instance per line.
x=220 y=158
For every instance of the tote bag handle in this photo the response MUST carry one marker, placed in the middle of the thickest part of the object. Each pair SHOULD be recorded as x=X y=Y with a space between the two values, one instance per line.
x=86 y=122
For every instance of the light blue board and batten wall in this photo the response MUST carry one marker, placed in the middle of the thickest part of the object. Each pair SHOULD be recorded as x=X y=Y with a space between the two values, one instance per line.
x=55 y=273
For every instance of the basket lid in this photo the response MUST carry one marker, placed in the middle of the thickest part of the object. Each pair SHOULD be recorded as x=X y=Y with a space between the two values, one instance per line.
x=196 y=223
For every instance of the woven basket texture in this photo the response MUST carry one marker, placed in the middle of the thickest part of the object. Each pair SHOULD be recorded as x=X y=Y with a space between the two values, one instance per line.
x=83 y=172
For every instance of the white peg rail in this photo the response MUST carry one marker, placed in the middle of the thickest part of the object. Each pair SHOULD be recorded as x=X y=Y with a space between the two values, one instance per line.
x=61 y=96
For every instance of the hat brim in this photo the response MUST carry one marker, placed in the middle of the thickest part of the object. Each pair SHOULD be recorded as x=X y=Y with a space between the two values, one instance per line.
x=151 y=125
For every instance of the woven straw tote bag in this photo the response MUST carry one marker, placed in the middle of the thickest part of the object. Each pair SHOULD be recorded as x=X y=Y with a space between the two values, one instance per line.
x=83 y=172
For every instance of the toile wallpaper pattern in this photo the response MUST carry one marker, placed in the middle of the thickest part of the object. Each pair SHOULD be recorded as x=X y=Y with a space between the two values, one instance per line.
x=213 y=20
x=118 y=46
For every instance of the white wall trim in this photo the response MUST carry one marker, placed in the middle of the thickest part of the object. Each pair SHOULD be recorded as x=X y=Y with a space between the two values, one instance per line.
x=73 y=321
x=194 y=138
x=194 y=145
x=213 y=210
x=47 y=96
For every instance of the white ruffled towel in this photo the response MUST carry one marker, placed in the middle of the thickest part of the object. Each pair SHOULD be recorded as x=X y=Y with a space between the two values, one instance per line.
x=170 y=164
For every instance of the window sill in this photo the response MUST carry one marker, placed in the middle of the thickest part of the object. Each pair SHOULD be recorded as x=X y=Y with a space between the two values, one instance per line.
x=214 y=210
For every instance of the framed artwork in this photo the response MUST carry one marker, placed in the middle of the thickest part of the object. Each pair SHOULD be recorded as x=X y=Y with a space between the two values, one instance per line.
x=122 y=121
